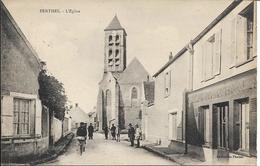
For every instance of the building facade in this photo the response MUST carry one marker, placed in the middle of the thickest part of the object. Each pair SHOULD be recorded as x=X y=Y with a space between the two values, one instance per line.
x=212 y=103
x=24 y=131
x=222 y=104
x=119 y=98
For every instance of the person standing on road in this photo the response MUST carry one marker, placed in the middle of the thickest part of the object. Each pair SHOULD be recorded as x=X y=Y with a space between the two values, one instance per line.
x=113 y=132
x=118 y=134
x=106 y=132
x=138 y=133
x=90 y=131
x=131 y=134
x=82 y=132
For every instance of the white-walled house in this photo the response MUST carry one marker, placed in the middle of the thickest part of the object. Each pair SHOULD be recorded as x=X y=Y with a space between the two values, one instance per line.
x=24 y=122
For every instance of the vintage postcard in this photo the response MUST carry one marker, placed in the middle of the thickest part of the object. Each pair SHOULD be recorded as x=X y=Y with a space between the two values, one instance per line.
x=133 y=82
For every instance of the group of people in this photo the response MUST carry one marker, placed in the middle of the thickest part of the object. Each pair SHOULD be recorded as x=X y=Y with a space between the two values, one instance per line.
x=115 y=132
x=134 y=133
x=83 y=131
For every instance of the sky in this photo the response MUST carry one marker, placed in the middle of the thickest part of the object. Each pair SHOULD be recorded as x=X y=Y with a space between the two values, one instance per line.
x=72 y=45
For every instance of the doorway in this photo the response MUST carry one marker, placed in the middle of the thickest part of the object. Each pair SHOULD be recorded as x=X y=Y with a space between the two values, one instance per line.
x=220 y=125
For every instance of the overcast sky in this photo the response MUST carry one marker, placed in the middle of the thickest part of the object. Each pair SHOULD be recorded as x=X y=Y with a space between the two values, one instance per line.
x=73 y=44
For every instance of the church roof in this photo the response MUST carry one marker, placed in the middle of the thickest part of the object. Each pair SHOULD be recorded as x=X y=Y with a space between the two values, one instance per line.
x=114 y=24
x=135 y=72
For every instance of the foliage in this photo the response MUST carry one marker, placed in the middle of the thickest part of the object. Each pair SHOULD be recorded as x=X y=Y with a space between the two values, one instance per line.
x=52 y=94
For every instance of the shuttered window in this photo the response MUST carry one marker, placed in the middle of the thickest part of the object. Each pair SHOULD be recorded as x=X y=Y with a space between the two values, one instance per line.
x=21 y=116
x=211 y=56
x=242 y=37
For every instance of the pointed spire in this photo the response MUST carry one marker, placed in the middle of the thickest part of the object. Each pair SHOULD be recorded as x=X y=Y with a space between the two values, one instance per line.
x=114 y=24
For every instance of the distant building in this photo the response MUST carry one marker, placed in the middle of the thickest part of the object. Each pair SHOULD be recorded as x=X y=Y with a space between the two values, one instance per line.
x=24 y=123
x=120 y=90
x=77 y=115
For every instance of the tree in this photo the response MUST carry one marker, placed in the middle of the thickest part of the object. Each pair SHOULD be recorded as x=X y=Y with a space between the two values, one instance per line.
x=52 y=94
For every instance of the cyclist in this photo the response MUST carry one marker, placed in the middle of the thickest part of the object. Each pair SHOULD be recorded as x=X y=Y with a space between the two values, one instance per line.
x=82 y=134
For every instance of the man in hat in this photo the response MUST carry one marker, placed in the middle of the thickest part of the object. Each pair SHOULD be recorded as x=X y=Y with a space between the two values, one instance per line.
x=131 y=134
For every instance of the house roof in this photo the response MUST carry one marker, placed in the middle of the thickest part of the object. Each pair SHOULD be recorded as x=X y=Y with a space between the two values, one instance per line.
x=149 y=91
x=78 y=114
x=9 y=16
x=114 y=24
x=234 y=4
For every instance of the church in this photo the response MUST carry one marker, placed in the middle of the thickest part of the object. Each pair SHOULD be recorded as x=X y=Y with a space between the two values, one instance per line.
x=121 y=88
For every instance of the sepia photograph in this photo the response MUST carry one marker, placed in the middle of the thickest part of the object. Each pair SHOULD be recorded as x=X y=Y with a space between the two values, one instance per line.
x=133 y=82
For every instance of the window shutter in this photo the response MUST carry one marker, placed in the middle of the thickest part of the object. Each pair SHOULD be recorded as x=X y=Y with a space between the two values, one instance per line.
x=217 y=55
x=208 y=60
x=38 y=117
x=203 y=62
x=253 y=126
x=7 y=113
x=241 y=39
x=233 y=51
x=32 y=117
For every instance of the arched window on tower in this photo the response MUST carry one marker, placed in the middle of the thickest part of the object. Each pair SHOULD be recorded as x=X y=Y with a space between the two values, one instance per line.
x=110 y=58
x=134 y=96
x=117 y=39
x=110 y=39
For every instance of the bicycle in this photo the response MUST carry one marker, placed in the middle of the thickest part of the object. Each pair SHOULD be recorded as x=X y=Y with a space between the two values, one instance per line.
x=82 y=142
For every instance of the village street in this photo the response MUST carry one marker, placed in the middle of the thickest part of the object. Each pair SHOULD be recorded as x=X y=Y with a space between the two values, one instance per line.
x=107 y=152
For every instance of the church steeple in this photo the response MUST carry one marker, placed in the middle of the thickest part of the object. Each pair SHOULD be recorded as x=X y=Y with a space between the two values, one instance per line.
x=115 y=47
x=114 y=24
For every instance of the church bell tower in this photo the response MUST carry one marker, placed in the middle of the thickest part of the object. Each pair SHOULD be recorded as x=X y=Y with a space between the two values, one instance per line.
x=115 y=47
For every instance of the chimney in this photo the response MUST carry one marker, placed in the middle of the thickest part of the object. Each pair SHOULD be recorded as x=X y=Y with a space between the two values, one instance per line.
x=76 y=105
x=148 y=78
x=170 y=56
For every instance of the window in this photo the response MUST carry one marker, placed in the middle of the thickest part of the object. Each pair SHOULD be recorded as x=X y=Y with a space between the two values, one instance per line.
x=110 y=39
x=173 y=126
x=211 y=56
x=244 y=35
x=110 y=52
x=110 y=62
x=117 y=39
x=117 y=63
x=134 y=96
x=21 y=116
x=110 y=58
x=134 y=93
x=203 y=123
x=241 y=128
x=117 y=53
x=167 y=83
